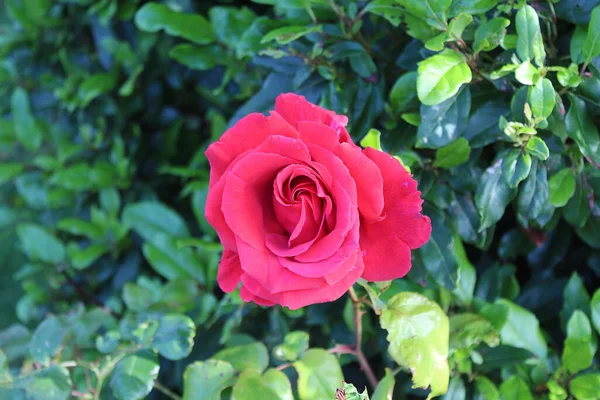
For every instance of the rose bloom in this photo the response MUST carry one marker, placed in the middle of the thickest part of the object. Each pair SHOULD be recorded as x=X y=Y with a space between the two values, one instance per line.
x=303 y=213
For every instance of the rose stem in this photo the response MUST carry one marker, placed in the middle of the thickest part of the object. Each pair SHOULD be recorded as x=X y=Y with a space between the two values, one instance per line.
x=358 y=313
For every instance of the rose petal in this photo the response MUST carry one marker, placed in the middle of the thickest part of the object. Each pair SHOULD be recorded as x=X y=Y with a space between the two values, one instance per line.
x=229 y=272
x=386 y=257
x=215 y=217
x=248 y=296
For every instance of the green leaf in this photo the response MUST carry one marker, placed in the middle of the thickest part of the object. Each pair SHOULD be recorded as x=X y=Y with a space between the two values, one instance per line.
x=577 y=211
x=170 y=261
x=518 y=327
x=372 y=139
x=137 y=297
x=485 y=389
x=576 y=45
x=80 y=227
x=542 y=98
x=585 y=387
x=443 y=123
x=253 y=355
x=108 y=342
x=515 y=167
x=515 y=388
x=319 y=375
x=53 y=383
x=207 y=379
x=591 y=45
x=575 y=297
x=385 y=389
x=527 y=74
x=467 y=276
x=46 y=340
x=273 y=385
x=133 y=377
x=580 y=345
x=498 y=281
x=199 y=58
x=456 y=390
x=230 y=23
x=150 y=219
x=96 y=85
x=174 y=338
x=502 y=356
x=469 y=330
x=581 y=128
x=9 y=170
x=456 y=153
x=433 y=12
x=530 y=45
x=489 y=34
x=471 y=6
x=288 y=34
x=294 y=345
x=595 y=310
x=154 y=17
x=418 y=333
x=41 y=245
x=403 y=95
x=534 y=195
x=351 y=392
x=441 y=76
x=493 y=195
x=562 y=187
x=537 y=148
x=25 y=126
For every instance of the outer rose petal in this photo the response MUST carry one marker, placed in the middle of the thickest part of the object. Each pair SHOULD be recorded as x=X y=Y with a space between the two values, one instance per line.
x=300 y=298
x=230 y=271
x=386 y=244
x=294 y=109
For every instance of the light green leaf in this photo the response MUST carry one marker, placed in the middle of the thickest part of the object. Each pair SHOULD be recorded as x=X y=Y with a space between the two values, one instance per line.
x=230 y=23
x=580 y=345
x=403 y=95
x=530 y=45
x=80 y=227
x=577 y=41
x=96 y=85
x=493 y=195
x=253 y=355
x=174 y=338
x=133 y=377
x=562 y=187
x=469 y=330
x=581 y=128
x=527 y=74
x=433 y=12
x=471 y=6
x=388 y=9
x=351 y=392
x=418 y=333
x=595 y=310
x=294 y=345
x=515 y=167
x=39 y=244
x=151 y=218
x=489 y=34
x=515 y=388
x=25 y=126
x=199 y=58
x=441 y=76
x=9 y=170
x=273 y=385
x=537 y=148
x=372 y=139
x=585 y=387
x=591 y=45
x=46 y=340
x=454 y=154
x=319 y=375
x=485 y=389
x=154 y=17
x=385 y=389
x=542 y=98
x=288 y=34
x=518 y=327
x=53 y=383
x=575 y=297
x=206 y=380
x=170 y=261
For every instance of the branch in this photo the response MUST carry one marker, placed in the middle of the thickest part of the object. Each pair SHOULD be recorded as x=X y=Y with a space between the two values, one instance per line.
x=364 y=363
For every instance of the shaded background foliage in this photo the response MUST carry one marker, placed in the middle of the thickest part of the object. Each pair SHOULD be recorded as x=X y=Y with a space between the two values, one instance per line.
x=108 y=265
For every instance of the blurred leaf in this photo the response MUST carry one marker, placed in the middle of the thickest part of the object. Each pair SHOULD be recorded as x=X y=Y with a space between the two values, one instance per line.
x=150 y=219
x=273 y=385
x=515 y=388
x=385 y=389
x=527 y=74
x=133 y=377
x=9 y=170
x=498 y=282
x=530 y=45
x=441 y=76
x=293 y=347
x=454 y=154
x=288 y=34
x=41 y=245
x=319 y=375
x=485 y=389
x=175 y=336
x=456 y=390
x=418 y=335
x=403 y=95
x=194 y=57
x=253 y=355
x=230 y=23
x=503 y=356
x=153 y=17
x=577 y=210
x=562 y=187
x=25 y=126
x=53 y=383
x=433 y=12
x=471 y=6
x=542 y=98
x=595 y=310
x=489 y=34
x=580 y=345
x=206 y=379
x=493 y=195
x=575 y=297
x=469 y=330
x=170 y=261
x=534 y=195
x=585 y=387
x=591 y=45
x=537 y=148
x=582 y=129
x=46 y=340
x=577 y=41
x=515 y=167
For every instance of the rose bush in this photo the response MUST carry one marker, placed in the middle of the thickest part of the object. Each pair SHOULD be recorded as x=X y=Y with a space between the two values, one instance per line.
x=303 y=212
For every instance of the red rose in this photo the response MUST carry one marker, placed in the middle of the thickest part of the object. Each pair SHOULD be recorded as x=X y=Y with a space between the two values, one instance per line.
x=303 y=212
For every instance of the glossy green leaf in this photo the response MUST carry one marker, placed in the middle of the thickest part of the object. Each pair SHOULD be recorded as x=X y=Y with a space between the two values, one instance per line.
x=441 y=76
x=591 y=45
x=471 y=6
x=46 y=340
x=537 y=148
x=253 y=355
x=273 y=385
x=515 y=388
x=585 y=387
x=580 y=345
x=562 y=187
x=575 y=298
x=582 y=129
x=403 y=95
x=133 y=377
x=443 y=123
x=418 y=335
x=577 y=41
x=530 y=45
x=534 y=194
x=433 y=12
x=207 y=379
x=39 y=244
x=154 y=17
x=577 y=210
x=452 y=155
x=542 y=98
x=527 y=74
x=288 y=34
x=319 y=375
x=385 y=389
x=515 y=167
x=489 y=34
x=493 y=195
x=175 y=336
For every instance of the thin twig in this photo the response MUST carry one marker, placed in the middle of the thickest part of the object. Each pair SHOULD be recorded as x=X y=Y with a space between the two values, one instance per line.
x=364 y=363
x=166 y=391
